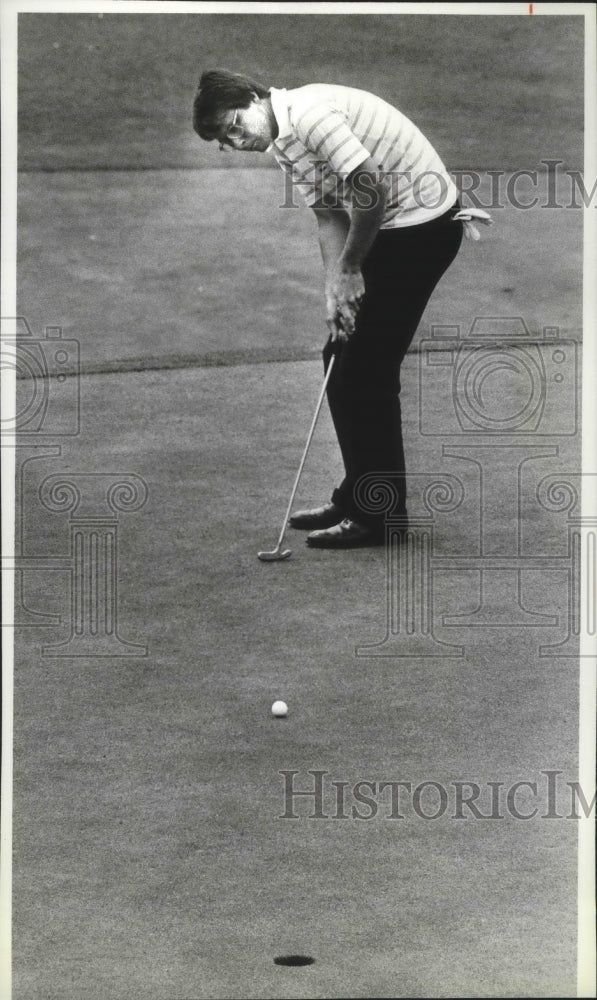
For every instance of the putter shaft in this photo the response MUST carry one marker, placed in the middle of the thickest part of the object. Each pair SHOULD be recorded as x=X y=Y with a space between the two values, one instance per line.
x=275 y=554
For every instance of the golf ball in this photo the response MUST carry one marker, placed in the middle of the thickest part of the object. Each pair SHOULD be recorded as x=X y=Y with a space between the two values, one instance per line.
x=280 y=709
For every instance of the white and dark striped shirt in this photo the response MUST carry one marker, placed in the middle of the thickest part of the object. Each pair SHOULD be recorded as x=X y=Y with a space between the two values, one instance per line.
x=327 y=131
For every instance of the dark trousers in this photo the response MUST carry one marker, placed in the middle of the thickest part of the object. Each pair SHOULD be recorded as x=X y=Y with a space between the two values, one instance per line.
x=400 y=271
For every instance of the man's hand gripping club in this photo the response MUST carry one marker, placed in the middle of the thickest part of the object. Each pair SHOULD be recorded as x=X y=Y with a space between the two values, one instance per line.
x=344 y=291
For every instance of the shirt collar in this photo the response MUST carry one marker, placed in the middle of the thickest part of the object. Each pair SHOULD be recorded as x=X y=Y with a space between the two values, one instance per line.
x=279 y=99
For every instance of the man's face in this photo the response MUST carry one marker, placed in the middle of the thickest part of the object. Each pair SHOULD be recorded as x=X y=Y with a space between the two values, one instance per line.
x=249 y=129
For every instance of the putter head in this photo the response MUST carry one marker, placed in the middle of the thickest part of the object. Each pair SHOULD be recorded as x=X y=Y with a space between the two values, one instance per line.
x=274 y=556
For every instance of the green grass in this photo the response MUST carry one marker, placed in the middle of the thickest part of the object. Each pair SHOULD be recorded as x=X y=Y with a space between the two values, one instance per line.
x=115 y=91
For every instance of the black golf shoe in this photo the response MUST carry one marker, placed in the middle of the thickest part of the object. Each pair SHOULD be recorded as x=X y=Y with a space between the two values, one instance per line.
x=345 y=535
x=319 y=517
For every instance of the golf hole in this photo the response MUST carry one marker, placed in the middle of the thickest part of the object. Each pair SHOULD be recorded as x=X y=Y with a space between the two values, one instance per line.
x=294 y=960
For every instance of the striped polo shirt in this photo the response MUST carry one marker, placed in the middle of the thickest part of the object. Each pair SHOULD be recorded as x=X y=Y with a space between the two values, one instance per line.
x=327 y=131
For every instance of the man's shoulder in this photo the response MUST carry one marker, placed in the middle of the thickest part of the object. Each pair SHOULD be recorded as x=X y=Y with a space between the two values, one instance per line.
x=333 y=96
x=315 y=94
x=310 y=95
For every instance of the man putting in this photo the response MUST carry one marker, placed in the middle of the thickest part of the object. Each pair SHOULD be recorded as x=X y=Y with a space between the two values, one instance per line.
x=386 y=210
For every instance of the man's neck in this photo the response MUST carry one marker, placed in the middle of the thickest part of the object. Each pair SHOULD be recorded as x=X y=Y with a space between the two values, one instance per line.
x=271 y=117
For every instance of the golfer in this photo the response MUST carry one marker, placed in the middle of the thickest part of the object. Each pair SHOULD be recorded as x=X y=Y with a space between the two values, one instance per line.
x=389 y=227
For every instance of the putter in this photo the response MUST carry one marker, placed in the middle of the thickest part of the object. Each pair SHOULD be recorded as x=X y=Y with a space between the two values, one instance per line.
x=279 y=553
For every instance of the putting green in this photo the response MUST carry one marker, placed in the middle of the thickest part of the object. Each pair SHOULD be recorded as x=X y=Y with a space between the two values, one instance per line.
x=152 y=860
x=167 y=869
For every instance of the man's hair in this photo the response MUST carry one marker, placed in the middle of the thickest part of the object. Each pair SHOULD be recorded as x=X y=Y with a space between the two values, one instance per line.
x=220 y=91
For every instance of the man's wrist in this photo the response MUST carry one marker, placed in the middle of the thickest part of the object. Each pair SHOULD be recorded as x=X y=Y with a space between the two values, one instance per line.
x=349 y=265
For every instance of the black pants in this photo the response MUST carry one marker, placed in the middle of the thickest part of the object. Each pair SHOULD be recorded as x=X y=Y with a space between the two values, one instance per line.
x=400 y=271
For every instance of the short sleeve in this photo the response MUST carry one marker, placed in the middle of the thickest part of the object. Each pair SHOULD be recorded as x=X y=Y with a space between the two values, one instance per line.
x=324 y=132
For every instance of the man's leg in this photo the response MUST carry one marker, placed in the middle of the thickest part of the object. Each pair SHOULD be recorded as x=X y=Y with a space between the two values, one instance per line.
x=401 y=272
x=364 y=400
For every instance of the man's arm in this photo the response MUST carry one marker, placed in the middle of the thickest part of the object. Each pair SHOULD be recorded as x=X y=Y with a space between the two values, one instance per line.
x=333 y=228
x=344 y=245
